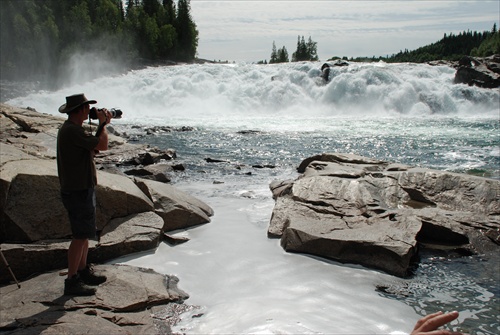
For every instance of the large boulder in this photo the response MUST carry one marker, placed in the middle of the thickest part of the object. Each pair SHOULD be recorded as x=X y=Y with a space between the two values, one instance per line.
x=31 y=205
x=177 y=208
x=34 y=185
x=132 y=301
x=127 y=235
x=479 y=72
x=358 y=210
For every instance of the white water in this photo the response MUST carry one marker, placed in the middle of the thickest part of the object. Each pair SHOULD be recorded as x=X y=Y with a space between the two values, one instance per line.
x=239 y=95
x=243 y=281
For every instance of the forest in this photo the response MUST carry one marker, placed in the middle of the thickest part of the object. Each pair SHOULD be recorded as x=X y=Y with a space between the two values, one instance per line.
x=37 y=38
x=451 y=47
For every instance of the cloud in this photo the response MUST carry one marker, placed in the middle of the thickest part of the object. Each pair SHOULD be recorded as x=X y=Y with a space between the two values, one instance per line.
x=245 y=30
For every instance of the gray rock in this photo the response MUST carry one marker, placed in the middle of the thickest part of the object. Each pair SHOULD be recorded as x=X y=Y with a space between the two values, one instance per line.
x=121 y=236
x=158 y=172
x=479 y=72
x=131 y=154
x=125 y=304
x=127 y=235
x=31 y=205
x=178 y=209
x=363 y=211
x=117 y=197
x=339 y=158
x=34 y=184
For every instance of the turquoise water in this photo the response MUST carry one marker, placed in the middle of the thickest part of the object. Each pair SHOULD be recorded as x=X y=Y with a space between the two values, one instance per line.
x=451 y=144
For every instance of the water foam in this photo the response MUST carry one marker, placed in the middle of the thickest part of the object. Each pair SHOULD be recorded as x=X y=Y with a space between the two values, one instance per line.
x=176 y=94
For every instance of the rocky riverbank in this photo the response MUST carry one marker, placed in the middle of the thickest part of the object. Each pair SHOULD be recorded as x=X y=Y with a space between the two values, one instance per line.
x=133 y=214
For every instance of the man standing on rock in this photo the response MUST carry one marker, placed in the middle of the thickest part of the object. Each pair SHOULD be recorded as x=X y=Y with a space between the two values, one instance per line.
x=78 y=177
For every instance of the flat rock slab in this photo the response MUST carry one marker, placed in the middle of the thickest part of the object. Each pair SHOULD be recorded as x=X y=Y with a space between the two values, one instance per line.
x=354 y=209
x=121 y=305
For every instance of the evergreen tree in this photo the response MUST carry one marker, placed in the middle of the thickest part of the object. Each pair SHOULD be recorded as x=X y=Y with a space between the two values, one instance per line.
x=312 y=51
x=300 y=53
x=150 y=7
x=283 y=55
x=130 y=5
x=28 y=38
x=186 y=31
x=274 y=55
x=305 y=51
x=106 y=16
x=167 y=40
x=490 y=46
x=169 y=6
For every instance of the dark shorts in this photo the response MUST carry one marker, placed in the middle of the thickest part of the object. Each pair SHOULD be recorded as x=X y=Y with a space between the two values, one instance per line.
x=81 y=211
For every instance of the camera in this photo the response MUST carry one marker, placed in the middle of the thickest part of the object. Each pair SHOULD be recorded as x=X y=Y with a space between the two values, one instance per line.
x=115 y=113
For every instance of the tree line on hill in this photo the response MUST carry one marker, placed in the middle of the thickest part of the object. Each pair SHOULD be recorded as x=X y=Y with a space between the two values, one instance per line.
x=37 y=37
x=451 y=47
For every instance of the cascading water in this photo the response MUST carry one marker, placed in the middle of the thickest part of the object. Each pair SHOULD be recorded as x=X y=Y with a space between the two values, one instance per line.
x=274 y=116
x=236 y=91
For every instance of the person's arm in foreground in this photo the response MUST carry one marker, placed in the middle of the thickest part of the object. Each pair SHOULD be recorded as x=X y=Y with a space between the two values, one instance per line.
x=104 y=117
x=428 y=325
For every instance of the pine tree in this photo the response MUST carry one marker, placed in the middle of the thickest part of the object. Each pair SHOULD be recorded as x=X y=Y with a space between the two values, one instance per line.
x=312 y=52
x=283 y=55
x=150 y=7
x=186 y=31
x=274 y=55
x=305 y=51
x=169 y=6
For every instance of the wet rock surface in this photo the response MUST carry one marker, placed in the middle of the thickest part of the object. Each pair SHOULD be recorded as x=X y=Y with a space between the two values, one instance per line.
x=132 y=301
x=359 y=210
x=482 y=72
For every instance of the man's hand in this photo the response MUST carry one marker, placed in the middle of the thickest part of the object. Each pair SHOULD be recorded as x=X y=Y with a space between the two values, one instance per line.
x=104 y=116
x=428 y=325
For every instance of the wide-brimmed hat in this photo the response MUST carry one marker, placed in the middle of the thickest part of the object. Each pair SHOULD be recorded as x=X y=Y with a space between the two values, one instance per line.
x=75 y=101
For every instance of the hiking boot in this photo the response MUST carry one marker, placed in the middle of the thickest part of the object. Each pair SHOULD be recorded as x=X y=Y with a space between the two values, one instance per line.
x=75 y=286
x=90 y=277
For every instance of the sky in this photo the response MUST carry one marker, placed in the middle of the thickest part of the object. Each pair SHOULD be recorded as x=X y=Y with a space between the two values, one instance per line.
x=244 y=30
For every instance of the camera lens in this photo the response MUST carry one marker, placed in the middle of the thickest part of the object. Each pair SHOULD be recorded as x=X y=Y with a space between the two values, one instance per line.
x=116 y=113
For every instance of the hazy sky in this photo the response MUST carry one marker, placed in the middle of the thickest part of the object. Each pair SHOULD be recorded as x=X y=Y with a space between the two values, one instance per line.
x=243 y=30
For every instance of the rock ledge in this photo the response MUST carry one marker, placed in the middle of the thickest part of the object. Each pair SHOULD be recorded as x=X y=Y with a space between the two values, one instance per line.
x=132 y=301
x=359 y=210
